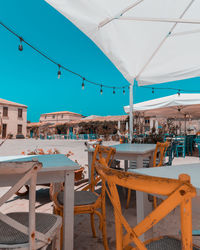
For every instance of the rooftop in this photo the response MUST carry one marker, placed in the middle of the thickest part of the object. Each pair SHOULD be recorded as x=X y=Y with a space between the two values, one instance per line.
x=6 y=102
x=102 y=119
x=61 y=112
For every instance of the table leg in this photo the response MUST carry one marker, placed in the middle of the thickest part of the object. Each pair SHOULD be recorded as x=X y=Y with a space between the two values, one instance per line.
x=151 y=160
x=68 y=232
x=125 y=165
x=144 y=207
x=90 y=156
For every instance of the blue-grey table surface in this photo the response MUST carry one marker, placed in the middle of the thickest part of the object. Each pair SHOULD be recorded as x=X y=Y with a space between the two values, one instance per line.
x=54 y=161
x=173 y=172
x=132 y=148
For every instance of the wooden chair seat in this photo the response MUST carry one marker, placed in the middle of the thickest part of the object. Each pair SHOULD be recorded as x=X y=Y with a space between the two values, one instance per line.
x=80 y=198
x=166 y=243
x=88 y=201
x=45 y=223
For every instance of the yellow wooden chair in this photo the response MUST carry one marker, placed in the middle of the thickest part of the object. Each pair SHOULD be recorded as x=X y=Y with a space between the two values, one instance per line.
x=87 y=201
x=178 y=192
x=161 y=148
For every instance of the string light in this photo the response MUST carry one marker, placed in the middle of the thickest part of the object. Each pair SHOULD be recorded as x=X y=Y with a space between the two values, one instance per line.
x=59 y=72
x=83 y=85
x=20 y=45
x=53 y=61
x=168 y=88
x=101 y=90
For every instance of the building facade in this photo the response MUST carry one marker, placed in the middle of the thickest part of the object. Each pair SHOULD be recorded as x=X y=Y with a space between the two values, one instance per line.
x=60 y=117
x=13 y=119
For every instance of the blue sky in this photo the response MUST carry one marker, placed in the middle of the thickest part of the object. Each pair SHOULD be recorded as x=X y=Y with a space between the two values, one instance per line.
x=28 y=78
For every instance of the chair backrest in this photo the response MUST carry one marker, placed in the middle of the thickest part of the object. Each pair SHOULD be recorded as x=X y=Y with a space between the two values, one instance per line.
x=23 y=173
x=104 y=154
x=161 y=148
x=179 y=192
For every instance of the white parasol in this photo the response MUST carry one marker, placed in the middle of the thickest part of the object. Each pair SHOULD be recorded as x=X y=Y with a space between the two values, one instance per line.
x=149 y=41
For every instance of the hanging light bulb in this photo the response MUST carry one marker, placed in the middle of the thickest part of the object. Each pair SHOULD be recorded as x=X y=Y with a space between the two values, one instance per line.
x=59 y=72
x=123 y=90
x=152 y=90
x=114 y=90
x=83 y=85
x=20 y=45
x=101 y=90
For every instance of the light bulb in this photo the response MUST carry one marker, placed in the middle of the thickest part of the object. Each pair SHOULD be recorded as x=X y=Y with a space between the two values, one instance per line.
x=83 y=85
x=59 y=72
x=20 y=45
x=101 y=91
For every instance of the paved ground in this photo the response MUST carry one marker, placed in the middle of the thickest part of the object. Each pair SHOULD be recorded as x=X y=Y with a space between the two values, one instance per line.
x=83 y=236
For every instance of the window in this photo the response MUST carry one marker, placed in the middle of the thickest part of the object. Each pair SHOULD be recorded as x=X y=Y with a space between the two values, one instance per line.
x=61 y=116
x=5 y=111
x=53 y=116
x=147 y=121
x=19 y=129
x=19 y=113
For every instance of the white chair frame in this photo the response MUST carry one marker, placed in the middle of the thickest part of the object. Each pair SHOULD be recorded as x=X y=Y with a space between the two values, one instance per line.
x=26 y=172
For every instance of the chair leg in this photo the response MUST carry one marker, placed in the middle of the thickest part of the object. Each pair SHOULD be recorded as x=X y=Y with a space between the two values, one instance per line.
x=104 y=233
x=92 y=225
x=154 y=202
x=57 y=240
x=128 y=198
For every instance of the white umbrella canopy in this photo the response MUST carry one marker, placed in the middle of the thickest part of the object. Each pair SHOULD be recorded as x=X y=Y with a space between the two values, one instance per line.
x=149 y=41
x=178 y=106
x=152 y=41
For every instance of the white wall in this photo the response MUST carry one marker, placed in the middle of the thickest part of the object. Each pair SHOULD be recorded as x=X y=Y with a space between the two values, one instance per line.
x=59 y=118
x=12 y=119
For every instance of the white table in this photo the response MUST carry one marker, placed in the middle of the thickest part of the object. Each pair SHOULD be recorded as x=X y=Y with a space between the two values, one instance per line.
x=56 y=168
x=131 y=152
x=173 y=172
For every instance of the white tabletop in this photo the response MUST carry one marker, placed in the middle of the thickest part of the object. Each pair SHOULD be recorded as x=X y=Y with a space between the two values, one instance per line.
x=50 y=162
x=134 y=148
x=173 y=172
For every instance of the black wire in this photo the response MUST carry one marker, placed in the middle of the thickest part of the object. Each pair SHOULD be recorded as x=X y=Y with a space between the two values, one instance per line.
x=77 y=74
x=53 y=61
x=168 y=88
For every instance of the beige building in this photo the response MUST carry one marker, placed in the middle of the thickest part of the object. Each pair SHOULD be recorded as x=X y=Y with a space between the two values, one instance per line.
x=13 y=119
x=60 y=117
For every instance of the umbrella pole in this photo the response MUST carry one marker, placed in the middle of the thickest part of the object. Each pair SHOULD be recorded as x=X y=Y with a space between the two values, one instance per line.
x=185 y=124
x=131 y=111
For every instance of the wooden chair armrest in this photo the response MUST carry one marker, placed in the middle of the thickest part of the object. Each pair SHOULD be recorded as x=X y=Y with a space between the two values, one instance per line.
x=55 y=201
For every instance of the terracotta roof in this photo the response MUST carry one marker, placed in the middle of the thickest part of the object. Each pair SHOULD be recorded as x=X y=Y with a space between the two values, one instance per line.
x=100 y=119
x=61 y=112
x=34 y=124
x=6 y=102
x=97 y=119
x=38 y=124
